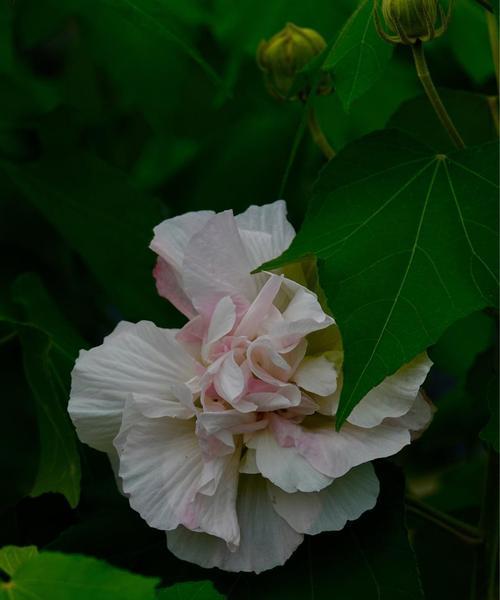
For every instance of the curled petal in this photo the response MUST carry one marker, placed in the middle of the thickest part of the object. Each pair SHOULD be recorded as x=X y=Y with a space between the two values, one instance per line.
x=394 y=396
x=346 y=499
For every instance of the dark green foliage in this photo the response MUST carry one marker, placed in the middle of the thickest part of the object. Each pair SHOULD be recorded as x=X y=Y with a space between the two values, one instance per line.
x=117 y=114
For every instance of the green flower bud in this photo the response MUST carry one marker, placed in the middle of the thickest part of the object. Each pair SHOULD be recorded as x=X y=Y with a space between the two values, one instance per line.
x=412 y=20
x=285 y=54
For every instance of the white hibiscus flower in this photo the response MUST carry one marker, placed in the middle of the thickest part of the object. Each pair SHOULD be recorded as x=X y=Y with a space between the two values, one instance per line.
x=223 y=433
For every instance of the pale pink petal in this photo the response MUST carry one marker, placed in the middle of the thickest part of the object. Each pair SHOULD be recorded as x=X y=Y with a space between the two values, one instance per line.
x=140 y=358
x=265 y=231
x=394 y=396
x=316 y=374
x=272 y=364
x=346 y=499
x=160 y=467
x=333 y=452
x=260 y=307
x=281 y=398
x=216 y=264
x=169 y=286
x=222 y=321
x=285 y=467
x=172 y=236
x=266 y=539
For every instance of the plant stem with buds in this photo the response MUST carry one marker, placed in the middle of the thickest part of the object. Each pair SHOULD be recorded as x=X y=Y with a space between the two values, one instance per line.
x=433 y=95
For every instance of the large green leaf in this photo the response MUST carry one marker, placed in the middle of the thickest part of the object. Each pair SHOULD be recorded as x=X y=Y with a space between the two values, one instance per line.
x=54 y=576
x=359 y=56
x=405 y=246
x=418 y=118
x=105 y=219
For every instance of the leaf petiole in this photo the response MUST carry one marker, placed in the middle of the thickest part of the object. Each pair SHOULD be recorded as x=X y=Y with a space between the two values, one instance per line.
x=433 y=95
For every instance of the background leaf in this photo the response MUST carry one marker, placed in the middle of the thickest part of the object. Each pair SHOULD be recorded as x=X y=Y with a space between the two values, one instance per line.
x=359 y=55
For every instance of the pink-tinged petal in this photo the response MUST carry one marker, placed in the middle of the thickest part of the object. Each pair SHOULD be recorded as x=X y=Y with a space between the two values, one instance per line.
x=334 y=453
x=316 y=374
x=160 y=467
x=229 y=381
x=169 y=287
x=216 y=264
x=266 y=539
x=213 y=510
x=260 y=307
x=265 y=231
x=284 y=466
x=271 y=363
x=346 y=499
x=281 y=398
x=137 y=358
x=172 y=236
x=394 y=396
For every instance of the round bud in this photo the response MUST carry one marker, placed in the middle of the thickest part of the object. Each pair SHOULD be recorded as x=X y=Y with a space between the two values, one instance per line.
x=411 y=20
x=285 y=54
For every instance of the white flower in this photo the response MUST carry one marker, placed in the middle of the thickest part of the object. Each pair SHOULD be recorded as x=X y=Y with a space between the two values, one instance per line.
x=223 y=432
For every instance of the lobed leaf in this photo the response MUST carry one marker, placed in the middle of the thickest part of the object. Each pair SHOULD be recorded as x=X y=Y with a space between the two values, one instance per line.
x=407 y=246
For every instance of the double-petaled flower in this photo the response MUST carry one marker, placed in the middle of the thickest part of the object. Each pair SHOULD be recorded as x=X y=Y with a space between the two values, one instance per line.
x=223 y=433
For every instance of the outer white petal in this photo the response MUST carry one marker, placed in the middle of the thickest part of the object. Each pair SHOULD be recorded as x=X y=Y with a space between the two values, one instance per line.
x=139 y=358
x=160 y=469
x=346 y=499
x=316 y=374
x=285 y=467
x=173 y=235
x=213 y=510
x=266 y=539
x=394 y=396
x=418 y=417
x=216 y=263
x=265 y=231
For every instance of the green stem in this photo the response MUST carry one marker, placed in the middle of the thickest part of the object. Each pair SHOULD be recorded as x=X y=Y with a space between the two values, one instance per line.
x=317 y=134
x=486 y=565
x=433 y=95
x=463 y=531
x=493 y=34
